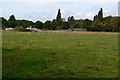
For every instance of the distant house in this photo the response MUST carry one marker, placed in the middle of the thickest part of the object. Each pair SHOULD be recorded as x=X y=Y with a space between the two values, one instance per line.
x=9 y=29
x=33 y=29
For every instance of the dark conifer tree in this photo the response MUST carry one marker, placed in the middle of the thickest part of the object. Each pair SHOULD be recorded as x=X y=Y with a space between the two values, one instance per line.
x=100 y=14
x=12 y=21
x=71 y=18
x=12 y=18
x=58 y=18
x=95 y=17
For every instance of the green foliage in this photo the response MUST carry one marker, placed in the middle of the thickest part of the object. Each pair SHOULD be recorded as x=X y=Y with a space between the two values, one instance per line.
x=95 y=17
x=11 y=23
x=71 y=18
x=99 y=23
x=71 y=21
x=18 y=22
x=20 y=28
x=54 y=24
x=39 y=25
x=87 y=24
x=12 y=18
x=47 y=25
x=59 y=21
x=58 y=27
x=99 y=16
x=26 y=23
x=66 y=25
x=106 y=23
x=58 y=18
x=115 y=22
x=4 y=23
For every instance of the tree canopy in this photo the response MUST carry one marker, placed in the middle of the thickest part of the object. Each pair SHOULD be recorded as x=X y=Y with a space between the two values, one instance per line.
x=99 y=23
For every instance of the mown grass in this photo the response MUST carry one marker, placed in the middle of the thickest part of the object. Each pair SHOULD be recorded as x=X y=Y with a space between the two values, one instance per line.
x=59 y=55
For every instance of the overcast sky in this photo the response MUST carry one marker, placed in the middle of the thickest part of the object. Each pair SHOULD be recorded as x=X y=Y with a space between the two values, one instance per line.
x=47 y=9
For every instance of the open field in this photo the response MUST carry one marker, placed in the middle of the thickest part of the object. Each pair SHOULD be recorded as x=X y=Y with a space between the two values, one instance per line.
x=60 y=55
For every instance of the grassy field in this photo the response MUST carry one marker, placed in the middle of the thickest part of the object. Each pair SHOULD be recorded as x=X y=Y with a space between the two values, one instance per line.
x=59 y=55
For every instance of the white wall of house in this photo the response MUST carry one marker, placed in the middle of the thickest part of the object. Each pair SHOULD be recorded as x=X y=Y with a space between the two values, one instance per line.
x=8 y=29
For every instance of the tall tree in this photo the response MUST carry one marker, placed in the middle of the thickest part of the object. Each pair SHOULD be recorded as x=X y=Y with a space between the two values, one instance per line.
x=12 y=18
x=59 y=21
x=12 y=21
x=58 y=15
x=100 y=14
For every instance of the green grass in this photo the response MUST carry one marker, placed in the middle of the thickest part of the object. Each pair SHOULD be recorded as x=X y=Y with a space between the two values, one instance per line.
x=59 y=55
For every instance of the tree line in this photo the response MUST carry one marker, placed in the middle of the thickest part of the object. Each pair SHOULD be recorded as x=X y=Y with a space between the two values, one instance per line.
x=99 y=23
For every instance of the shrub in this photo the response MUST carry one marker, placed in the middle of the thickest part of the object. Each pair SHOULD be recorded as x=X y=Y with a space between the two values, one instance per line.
x=19 y=28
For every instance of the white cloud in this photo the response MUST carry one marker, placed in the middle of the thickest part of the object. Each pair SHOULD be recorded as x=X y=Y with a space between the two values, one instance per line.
x=59 y=0
x=41 y=16
x=47 y=11
x=106 y=12
x=89 y=15
x=78 y=14
x=66 y=13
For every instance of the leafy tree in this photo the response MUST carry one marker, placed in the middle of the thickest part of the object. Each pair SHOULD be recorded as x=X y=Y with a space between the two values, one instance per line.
x=26 y=23
x=4 y=23
x=76 y=25
x=79 y=23
x=87 y=24
x=66 y=25
x=71 y=18
x=12 y=18
x=97 y=25
x=47 y=25
x=59 y=27
x=12 y=24
x=17 y=28
x=71 y=21
x=54 y=24
x=20 y=28
x=115 y=22
x=39 y=25
x=18 y=22
x=12 y=21
x=106 y=23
